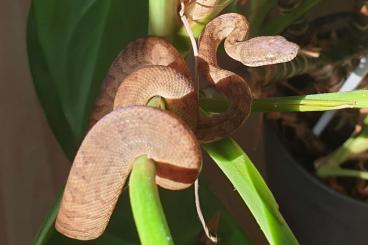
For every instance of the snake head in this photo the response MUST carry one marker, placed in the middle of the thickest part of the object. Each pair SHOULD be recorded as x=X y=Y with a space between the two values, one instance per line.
x=264 y=50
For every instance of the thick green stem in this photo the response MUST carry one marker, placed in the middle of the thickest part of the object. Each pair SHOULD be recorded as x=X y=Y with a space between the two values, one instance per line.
x=313 y=102
x=146 y=205
x=163 y=19
x=217 y=103
x=331 y=164
x=145 y=201
x=157 y=102
x=325 y=171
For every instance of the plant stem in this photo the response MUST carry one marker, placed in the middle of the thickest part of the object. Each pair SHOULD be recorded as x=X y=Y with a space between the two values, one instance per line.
x=157 y=102
x=337 y=171
x=313 y=102
x=145 y=201
x=216 y=103
x=162 y=18
x=146 y=205
x=331 y=164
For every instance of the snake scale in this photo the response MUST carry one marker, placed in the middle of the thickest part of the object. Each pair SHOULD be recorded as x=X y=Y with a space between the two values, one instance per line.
x=122 y=127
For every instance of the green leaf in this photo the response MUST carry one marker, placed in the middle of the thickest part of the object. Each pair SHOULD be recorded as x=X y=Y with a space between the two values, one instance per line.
x=238 y=168
x=278 y=24
x=47 y=228
x=257 y=13
x=313 y=102
x=71 y=44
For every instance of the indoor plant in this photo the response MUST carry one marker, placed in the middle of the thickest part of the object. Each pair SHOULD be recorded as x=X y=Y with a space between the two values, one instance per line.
x=60 y=55
x=294 y=153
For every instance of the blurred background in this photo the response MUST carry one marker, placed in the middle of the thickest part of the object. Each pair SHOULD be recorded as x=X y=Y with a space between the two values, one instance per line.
x=33 y=167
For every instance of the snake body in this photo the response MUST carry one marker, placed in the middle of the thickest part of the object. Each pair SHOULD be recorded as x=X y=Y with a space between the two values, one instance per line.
x=265 y=50
x=105 y=159
x=122 y=128
x=167 y=82
x=232 y=85
x=140 y=53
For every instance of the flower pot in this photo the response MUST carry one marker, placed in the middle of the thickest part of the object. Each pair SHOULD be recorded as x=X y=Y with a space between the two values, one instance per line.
x=315 y=213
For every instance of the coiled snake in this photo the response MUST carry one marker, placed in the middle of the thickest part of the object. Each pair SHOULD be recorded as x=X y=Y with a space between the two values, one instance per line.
x=123 y=127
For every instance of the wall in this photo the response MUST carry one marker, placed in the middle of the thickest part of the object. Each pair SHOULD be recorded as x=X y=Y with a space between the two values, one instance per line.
x=32 y=165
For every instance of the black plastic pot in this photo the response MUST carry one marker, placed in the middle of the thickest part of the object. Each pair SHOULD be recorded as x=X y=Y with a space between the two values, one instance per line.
x=316 y=214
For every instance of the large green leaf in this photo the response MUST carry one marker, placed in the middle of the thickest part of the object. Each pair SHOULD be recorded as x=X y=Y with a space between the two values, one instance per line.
x=257 y=13
x=279 y=23
x=249 y=183
x=71 y=44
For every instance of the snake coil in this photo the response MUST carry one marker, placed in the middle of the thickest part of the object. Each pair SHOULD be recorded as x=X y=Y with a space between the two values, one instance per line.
x=123 y=128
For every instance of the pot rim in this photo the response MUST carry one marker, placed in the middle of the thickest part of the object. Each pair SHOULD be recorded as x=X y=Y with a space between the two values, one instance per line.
x=313 y=179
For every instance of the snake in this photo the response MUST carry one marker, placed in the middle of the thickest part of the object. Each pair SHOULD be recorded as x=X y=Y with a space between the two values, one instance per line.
x=122 y=127
x=101 y=167
x=258 y=51
x=139 y=53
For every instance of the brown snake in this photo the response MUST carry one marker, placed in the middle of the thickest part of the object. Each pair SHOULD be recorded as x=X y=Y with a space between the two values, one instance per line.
x=105 y=158
x=123 y=128
x=254 y=52
x=140 y=53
